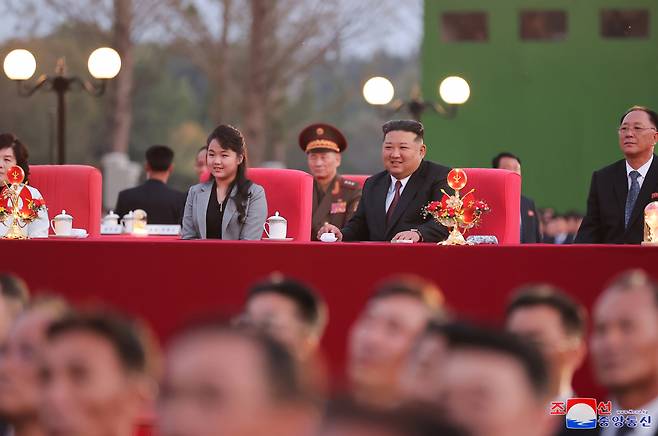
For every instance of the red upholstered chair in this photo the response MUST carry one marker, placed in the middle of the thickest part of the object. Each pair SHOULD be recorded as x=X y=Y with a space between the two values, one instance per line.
x=502 y=190
x=289 y=192
x=76 y=188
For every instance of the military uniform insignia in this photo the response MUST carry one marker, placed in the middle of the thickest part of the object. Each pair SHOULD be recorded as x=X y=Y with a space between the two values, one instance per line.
x=350 y=183
x=338 y=207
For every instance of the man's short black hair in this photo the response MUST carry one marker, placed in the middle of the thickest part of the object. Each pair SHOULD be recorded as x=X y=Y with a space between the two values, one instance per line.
x=405 y=126
x=411 y=286
x=310 y=307
x=634 y=279
x=495 y=162
x=572 y=314
x=282 y=371
x=159 y=157
x=467 y=336
x=121 y=333
x=408 y=419
x=653 y=116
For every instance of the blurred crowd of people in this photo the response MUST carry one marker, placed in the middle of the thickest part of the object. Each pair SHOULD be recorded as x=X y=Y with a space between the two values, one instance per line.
x=559 y=228
x=413 y=366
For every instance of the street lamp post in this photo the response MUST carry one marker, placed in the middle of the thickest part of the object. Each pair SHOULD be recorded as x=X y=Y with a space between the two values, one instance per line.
x=104 y=64
x=454 y=91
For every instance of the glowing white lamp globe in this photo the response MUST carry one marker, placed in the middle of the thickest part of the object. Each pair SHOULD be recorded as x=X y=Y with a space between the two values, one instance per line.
x=104 y=63
x=20 y=64
x=378 y=91
x=454 y=90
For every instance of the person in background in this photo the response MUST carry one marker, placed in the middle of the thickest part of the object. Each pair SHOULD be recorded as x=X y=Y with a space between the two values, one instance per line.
x=200 y=166
x=162 y=204
x=14 y=296
x=290 y=312
x=229 y=206
x=335 y=198
x=93 y=377
x=226 y=381
x=530 y=232
x=557 y=231
x=555 y=323
x=494 y=383
x=14 y=153
x=619 y=192
x=382 y=338
x=624 y=347
x=574 y=219
x=20 y=356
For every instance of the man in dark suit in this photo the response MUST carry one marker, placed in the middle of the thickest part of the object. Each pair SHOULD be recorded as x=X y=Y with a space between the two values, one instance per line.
x=163 y=205
x=392 y=201
x=529 y=219
x=620 y=192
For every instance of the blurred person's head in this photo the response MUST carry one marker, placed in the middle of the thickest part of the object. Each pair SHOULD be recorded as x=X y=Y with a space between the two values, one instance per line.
x=638 y=133
x=12 y=152
x=159 y=162
x=423 y=375
x=494 y=383
x=14 y=295
x=289 y=311
x=383 y=336
x=200 y=161
x=624 y=340
x=573 y=221
x=20 y=356
x=556 y=324
x=403 y=148
x=349 y=418
x=93 y=376
x=507 y=161
x=227 y=381
x=546 y=214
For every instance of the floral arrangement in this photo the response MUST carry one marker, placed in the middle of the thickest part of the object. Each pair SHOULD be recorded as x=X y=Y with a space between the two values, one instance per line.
x=29 y=210
x=457 y=212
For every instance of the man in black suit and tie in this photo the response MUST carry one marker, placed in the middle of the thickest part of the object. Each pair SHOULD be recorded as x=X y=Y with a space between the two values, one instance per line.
x=529 y=219
x=392 y=200
x=620 y=192
x=163 y=205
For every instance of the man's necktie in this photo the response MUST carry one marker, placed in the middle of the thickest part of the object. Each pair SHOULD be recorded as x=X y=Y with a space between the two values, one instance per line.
x=632 y=197
x=394 y=203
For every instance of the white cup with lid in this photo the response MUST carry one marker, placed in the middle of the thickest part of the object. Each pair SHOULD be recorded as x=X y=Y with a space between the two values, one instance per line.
x=128 y=221
x=111 y=219
x=62 y=224
x=276 y=227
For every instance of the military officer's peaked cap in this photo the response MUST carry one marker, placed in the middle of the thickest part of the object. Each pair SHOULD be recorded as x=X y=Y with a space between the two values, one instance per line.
x=322 y=137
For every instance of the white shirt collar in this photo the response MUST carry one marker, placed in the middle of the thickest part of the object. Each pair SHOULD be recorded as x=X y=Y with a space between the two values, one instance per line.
x=403 y=181
x=643 y=170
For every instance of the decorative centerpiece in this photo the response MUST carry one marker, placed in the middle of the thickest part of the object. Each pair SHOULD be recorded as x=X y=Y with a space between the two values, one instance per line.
x=651 y=224
x=16 y=202
x=457 y=212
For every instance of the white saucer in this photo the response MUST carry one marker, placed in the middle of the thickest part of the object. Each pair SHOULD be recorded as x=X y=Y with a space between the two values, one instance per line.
x=277 y=239
x=69 y=236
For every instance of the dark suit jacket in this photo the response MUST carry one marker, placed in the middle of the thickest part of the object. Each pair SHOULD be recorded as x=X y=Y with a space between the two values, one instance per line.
x=163 y=205
x=604 y=221
x=424 y=185
x=529 y=222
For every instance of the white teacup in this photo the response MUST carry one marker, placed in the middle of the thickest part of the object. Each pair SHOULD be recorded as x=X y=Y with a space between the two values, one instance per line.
x=276 y=227
x=328 y=237
x=62 y=224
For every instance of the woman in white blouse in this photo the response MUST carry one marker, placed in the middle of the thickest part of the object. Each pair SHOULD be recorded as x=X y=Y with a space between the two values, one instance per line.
x=13 y=152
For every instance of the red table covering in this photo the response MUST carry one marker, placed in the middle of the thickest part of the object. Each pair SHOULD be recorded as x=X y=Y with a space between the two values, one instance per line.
x=168 y=281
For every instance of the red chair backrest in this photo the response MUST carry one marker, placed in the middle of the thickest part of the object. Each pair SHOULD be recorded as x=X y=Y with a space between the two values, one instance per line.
x=78 y=189
x=289 y=192
x=502 y=190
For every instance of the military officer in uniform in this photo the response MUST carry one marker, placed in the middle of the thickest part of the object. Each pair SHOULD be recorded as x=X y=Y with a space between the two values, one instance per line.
x=334 y=198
